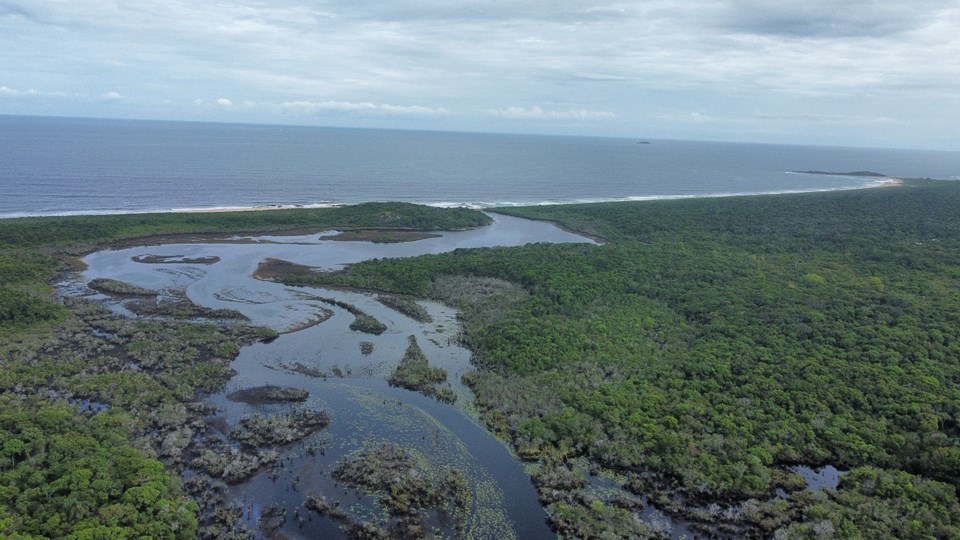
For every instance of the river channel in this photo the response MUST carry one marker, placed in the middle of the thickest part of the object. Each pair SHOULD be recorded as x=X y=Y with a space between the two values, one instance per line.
x=365 y=411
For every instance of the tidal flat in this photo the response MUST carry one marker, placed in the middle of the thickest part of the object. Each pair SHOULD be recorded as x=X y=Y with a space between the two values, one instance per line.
x=275 y=455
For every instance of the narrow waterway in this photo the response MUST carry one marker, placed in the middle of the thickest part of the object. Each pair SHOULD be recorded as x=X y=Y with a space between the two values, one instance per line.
x=365 y=410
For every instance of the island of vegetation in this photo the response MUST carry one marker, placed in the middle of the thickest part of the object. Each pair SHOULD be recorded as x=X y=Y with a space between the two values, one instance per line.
x=378 y=236
x=175 y=259
x=415 y=373
x=261 y=395
x=697 y=356
x=409 y=496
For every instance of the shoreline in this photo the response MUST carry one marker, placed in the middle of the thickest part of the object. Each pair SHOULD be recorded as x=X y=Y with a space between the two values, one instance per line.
x=476 y=205
x=890 y=182
x=228 y=209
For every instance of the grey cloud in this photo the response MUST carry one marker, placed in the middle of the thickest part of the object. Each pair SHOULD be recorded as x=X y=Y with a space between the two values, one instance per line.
x=486 y=10
x=568 y=63
x=20 y=11
x=828 y=18
x=12 y=9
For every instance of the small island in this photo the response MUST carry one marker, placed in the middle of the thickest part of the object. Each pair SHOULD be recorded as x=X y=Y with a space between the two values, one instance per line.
x=867 y=174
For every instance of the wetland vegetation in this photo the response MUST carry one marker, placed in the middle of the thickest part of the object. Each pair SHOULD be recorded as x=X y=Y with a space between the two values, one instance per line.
x=411 y=498
x=692 y=361
x=711 y=344
x=260 y=395
x=415 y=373
x=380 y=236
x=405 y=305
x=102 y=413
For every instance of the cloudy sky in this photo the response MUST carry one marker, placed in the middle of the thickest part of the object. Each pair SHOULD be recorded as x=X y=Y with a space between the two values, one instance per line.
x=856 y=72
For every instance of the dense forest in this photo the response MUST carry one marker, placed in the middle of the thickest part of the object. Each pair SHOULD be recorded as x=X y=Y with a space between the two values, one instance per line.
x=707 y=345
x=97 y=411
x=704 y=348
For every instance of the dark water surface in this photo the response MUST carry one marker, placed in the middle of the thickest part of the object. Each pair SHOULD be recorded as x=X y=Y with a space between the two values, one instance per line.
x=366 y=411
x=69 y=165
x=826 y=477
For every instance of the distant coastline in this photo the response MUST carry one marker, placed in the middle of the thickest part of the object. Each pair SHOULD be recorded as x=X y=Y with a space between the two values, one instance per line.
x=90 y=167
x=852 y=173
x=881 y=181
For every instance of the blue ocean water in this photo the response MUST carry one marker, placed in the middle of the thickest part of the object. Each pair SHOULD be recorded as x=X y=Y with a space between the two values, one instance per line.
x=51 y=166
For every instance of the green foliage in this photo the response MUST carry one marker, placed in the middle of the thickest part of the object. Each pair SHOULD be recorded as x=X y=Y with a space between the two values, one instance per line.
x=18 y=266
x=873 y=503
x=128 y=390
x=266 y=334
x=24 y=298
x=26 y=266
x=73 y=230
x=709 y=342
x=406 y=306
x=20 y=309
x=174 y=360
x=597 y=521
x=67 y=476
x=712 y=341
x=112 y=286
x=367 y=324
x=414 y=373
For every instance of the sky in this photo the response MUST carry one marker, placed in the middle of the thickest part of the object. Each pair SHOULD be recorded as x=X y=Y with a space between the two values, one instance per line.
x=878 y=73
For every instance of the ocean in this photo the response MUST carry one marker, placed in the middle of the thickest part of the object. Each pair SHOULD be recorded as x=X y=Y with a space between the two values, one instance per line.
x=64 y=166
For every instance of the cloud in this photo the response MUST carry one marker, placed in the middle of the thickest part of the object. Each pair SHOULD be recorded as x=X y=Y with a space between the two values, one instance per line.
x=827 y=18
x=363 y=107
x=416 y=110
x=301 y=107
x=537 y=113
x=825 y=118
x=13 y=10
x=6 y=91
x=483 y=10
x=699 y=118
x=615 y=61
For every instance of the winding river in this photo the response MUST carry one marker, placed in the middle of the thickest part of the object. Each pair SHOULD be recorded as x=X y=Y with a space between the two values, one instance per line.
x=365 y=410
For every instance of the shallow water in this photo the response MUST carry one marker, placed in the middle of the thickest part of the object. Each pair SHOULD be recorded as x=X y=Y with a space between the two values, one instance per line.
x=608 y=484
x=826 y=477
x=227 y=283
x=365 y=410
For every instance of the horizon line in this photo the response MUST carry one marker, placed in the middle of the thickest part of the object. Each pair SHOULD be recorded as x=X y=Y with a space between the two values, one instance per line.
x=463 y=132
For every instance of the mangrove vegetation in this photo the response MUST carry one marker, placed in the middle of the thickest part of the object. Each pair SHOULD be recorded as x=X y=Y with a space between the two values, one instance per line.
x=697 y=356
x=708 y=345
x=101 y=413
